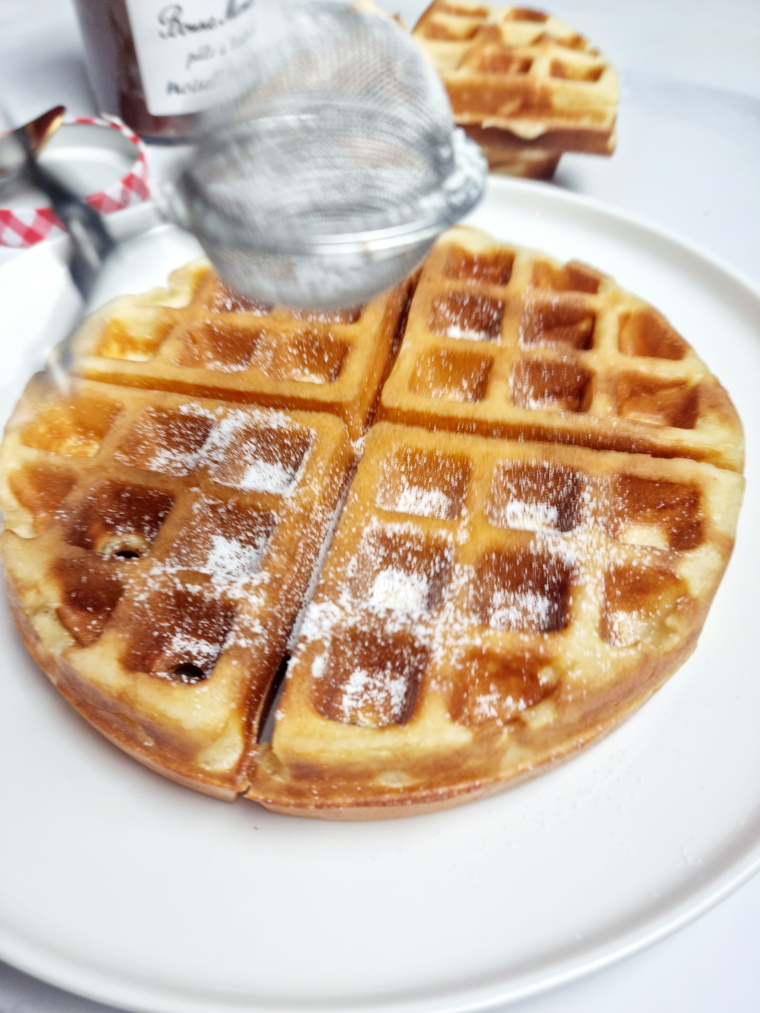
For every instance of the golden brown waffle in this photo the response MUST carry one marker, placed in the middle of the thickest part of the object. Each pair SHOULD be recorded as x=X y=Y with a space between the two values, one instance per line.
x=523 y=84
x=157 y=550
x=487 y=608
x=503 y=341
x=195 y=336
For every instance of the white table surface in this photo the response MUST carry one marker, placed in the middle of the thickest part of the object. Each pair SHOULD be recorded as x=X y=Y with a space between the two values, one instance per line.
x=687 y=160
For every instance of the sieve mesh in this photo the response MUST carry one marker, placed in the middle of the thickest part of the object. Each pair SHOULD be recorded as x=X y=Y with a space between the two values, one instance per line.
x=332 y=166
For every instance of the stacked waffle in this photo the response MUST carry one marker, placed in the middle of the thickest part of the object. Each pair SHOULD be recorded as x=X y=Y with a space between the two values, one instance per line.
x=524 y=85
x=538 y=520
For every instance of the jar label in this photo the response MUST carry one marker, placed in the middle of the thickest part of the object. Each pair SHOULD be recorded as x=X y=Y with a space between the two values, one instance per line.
x=184 y=48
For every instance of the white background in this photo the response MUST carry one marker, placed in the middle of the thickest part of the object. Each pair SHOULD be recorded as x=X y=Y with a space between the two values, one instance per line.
x=687 y=160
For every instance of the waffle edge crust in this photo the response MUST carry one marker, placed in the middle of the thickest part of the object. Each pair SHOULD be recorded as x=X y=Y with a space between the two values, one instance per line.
x=476 y=523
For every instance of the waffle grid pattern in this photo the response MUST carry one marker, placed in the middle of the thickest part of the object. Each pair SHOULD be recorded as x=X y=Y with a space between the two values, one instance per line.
x=525 y=85
x=504 y=585
x=197 y=337
x=502 y=341
x=538 y=522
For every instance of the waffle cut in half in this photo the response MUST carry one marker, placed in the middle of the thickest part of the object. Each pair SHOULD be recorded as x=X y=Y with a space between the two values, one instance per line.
x=503 y=566
x=523 y=84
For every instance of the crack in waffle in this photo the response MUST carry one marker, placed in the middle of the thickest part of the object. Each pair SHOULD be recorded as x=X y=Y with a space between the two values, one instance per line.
x=512 y=573
x=523 y=85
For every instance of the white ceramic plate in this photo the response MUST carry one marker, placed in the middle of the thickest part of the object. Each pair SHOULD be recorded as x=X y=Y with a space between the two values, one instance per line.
x=122 y=886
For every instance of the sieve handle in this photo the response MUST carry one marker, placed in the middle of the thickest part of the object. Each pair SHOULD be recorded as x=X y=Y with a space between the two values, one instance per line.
x=91 y=245
x=91 y=241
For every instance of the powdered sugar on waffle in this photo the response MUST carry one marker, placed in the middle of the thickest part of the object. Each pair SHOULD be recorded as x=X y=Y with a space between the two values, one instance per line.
x=530 y=516
x=395 y=588
x=170 y=461
x=437 y=632
x=516 y=610
x=266 y=476
x=230 y=561
x=176 y=444
x=468 y=317
x=198 y=651
x=430 y=502
x=232 y=450
x=493 y=705
x=375 y=692
x=400 y=594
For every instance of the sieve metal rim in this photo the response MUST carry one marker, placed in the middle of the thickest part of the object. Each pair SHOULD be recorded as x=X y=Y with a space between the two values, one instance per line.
x=398 y=237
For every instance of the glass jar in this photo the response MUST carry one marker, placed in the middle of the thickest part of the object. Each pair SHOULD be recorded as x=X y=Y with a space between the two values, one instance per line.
x=157 y=64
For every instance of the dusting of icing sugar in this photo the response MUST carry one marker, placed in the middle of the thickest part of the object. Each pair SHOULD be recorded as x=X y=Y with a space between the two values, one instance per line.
x=224 y=300
x=517 y=610
x=166 y=442
x=342 y=316
x=217 y=365
x=467 y=316
x=455 y=331
x=529 y=516
x=365 y=694
x=248 y=637
x=402 y=587
x=306 y=375
x=409 y=613
x=434 y=612
x=266 y=476
x=533 y=403
x=202 y=652
x=257 y=451
x=493 y=704
x=318 y=666
x=423 y=483
x=538 y=495
x=231 y=561
x=320 y=618
x=170 y=461
x=222 y=539
x=430 y=502
x=193 y=408
x=394 y=588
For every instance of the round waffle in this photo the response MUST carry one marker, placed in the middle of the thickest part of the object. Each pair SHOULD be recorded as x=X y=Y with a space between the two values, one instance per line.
x=528 y=547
